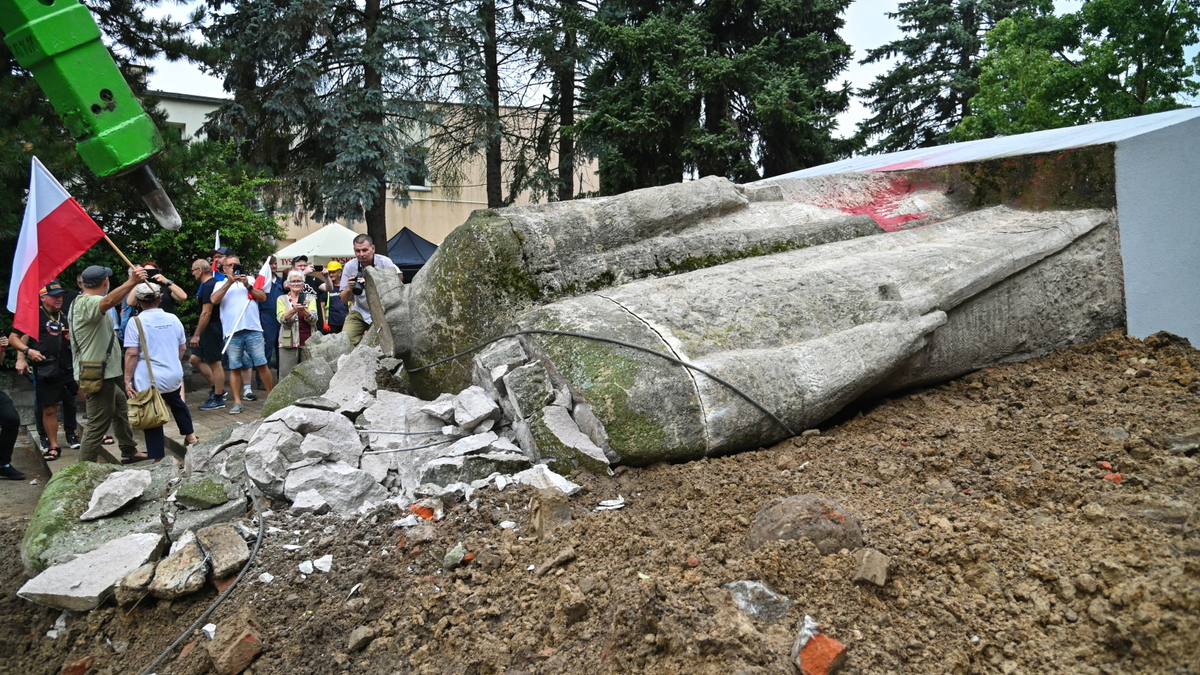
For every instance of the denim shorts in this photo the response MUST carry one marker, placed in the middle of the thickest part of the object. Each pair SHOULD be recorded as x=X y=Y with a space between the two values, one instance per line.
x=246 y=350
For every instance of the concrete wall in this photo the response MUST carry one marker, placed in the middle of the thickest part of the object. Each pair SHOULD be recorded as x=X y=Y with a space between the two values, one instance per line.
x=1158 y=207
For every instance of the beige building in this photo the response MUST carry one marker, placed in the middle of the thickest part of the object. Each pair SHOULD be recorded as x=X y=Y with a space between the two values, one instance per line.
x=432 y=212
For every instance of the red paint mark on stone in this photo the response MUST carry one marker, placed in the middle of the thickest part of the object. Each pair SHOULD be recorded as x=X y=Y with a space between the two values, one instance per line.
x=877 y=201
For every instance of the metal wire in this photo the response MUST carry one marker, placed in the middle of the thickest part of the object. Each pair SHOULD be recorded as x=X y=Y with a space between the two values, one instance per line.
x=538 y=331
x=415 y=447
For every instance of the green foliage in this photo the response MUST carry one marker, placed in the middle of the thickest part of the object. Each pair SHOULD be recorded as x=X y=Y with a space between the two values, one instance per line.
x=928 y=92
x=1111 y=59
x=722 y=88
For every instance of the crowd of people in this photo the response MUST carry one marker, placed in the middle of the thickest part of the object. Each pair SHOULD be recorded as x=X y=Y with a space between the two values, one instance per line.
x=101 y=346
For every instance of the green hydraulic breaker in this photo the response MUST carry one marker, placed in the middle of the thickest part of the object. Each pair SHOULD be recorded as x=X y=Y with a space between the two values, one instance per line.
x=59 y=42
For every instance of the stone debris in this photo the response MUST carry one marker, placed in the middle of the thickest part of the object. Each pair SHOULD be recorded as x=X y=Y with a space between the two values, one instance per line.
x=564 y=556
x=227 y=551
x=359 y=638
x=201 y=493
x=872 y=566
x=560 y=441
x=757 y=600
x=353 y=386
x=235 y=646
x=305 y=567
x=135 y=585
x=550 y=512
x=86 y=581
x=209 y=630
x=540 y=476
x=120 y=488
x=309 y=501
x=442 y=408
x=324 y=563
x=815 y=653
x=180 y=573
x=473 y=406
x=266 y=577
x=611 y=504
x=344 y=487
x=454 y=557
x=820 y=520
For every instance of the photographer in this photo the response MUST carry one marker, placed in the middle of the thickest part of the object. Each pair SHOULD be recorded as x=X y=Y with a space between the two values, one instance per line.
x=242 y=329
x=312 y=285
x=358 y=320
x=335 y=309
x=297 y=314
x=48 y=359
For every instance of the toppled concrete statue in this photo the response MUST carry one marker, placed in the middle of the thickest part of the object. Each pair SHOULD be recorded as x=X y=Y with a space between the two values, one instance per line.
x=800 y=308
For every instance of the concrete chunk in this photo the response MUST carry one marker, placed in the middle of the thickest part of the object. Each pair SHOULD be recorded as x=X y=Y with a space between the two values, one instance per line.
x=344 y=487
x=227 y=551
x=116 y=491
x=85 y=582
x=309 y=501
x=180 y=573
x=472 y=406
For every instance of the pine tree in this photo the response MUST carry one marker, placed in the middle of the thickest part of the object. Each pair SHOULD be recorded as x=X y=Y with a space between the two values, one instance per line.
x=928 y=92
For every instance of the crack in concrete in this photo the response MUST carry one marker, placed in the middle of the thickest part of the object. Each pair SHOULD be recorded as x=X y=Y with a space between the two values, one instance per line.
x=691 y=374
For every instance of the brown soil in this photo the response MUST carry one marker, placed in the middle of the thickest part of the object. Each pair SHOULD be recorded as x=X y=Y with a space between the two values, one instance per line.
x=1010 y=553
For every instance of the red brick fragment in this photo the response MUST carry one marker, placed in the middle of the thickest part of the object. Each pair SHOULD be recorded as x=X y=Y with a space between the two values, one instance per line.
x=1107 y=466
x=422 y=511
x=225 y=583
x=822 y=655
x=187 y=649
x=693 y=561
x=1114 y=477
x=237 y=644
x=78 y=668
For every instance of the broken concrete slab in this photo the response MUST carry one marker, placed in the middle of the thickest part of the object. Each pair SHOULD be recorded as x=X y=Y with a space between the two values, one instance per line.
x=560 y=441
x=472 y=406
x=86 y=581
x=180 y=573
x=55 y=530
x=344 y=487
x=309 y=501
x=226 y=549
x=201 y=493
x=195 y=520
x=354 y=384
x=821 y=520
x=540 y=476
x=119 y=489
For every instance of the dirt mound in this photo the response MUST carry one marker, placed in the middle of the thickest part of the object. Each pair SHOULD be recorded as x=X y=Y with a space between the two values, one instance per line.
x=1013 y=549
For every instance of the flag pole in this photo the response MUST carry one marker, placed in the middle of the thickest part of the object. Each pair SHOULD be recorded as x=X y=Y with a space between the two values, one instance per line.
x=114 y=247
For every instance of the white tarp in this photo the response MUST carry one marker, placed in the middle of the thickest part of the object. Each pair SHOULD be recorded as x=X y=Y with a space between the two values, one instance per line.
x=332 y=242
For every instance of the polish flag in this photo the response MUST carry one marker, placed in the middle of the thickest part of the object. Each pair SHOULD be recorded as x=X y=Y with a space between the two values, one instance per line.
x=54 y=233
x=216 y=245
x=264 y=274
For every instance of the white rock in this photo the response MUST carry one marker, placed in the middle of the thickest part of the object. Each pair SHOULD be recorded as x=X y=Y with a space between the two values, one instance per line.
x=266 y=577
x=317 y=447
x=472 y=406
x=210 y=630
x=324 y=563
x=377 y=465
x=332 y=426
x=306 y=567
x=187 y=538
x=99 y=572
x=442 y=408
x=502 y=444
x=558 y=421
x=540 y=476
x=309 y=501
x=344 y=487
x=507 y=525
x=474 y=444
x=353 y=386
x=120 y=488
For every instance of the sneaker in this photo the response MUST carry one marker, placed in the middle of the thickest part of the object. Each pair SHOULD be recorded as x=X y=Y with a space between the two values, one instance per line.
x=249 y=394
x=10 y=472
x=236 y=409
x=214 y=403
x=73 y=441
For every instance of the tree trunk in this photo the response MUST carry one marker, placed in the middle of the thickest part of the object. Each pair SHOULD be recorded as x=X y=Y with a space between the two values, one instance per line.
x=716 y=110
x=491 y=77
x=376 y=214
x=566 y=106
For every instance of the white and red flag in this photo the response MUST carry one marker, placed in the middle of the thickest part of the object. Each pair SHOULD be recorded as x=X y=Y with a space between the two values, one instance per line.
x=54 y=233
x=264 y=275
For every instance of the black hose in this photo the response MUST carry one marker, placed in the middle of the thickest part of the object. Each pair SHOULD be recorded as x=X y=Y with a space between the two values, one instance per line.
x=220 y=598
x=598 y=338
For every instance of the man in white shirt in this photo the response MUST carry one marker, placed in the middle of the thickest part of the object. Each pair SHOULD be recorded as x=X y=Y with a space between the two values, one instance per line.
x=165 y=343
x=242 y=328
x=359 y=318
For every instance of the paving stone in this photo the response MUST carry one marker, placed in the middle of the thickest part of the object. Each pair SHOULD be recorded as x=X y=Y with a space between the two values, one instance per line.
x=226 y=549
x=86 y=581
x=120 y=488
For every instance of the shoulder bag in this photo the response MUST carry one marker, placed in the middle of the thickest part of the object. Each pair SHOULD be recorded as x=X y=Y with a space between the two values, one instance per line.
x=91 y=373
x=147 y=409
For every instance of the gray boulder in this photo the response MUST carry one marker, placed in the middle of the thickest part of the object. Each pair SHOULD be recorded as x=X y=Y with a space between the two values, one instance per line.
x=309 y=378
x=344 y=487
x=818 y=519
x=120 y=488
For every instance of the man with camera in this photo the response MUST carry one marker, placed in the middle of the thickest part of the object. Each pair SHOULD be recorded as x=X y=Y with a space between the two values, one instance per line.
x=242 y=328
x=358 y=320
x=48 y=359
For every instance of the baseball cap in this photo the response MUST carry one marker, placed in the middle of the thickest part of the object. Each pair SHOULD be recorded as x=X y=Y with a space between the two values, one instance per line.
x=52 y=288
x=96 y=273
x=300 y=258
x=333 y=266
x=146 y=291
x=222 y=250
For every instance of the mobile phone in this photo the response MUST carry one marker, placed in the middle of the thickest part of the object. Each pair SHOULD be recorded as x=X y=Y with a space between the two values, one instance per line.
x=237 y=269
x=318 y=268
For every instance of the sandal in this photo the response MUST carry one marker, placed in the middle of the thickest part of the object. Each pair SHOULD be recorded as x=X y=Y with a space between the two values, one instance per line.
x=108 y=440
x=51 y=454
x=133 y=459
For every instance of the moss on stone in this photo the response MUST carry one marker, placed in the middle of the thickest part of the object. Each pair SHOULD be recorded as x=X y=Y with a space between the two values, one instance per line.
x=66 y=496
x=692 y=263
x=201 y=494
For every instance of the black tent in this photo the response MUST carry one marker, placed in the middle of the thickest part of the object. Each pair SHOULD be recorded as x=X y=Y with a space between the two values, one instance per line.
x=409 y=251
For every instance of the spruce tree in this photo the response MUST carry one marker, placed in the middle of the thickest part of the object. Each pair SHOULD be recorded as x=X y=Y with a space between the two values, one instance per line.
x=928 y=92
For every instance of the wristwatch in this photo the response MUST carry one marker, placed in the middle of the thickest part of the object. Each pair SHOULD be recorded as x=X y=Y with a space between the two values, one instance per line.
x=168 y=283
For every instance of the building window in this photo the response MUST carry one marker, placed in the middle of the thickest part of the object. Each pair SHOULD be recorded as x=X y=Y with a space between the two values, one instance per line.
x=416 y=176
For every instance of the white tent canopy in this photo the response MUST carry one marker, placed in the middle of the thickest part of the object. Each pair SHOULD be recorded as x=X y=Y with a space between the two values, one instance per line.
x=332 y=242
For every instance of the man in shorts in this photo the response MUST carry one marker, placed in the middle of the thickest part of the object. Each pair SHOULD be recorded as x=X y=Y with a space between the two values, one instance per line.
x=242 y=329
x=207 y=341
